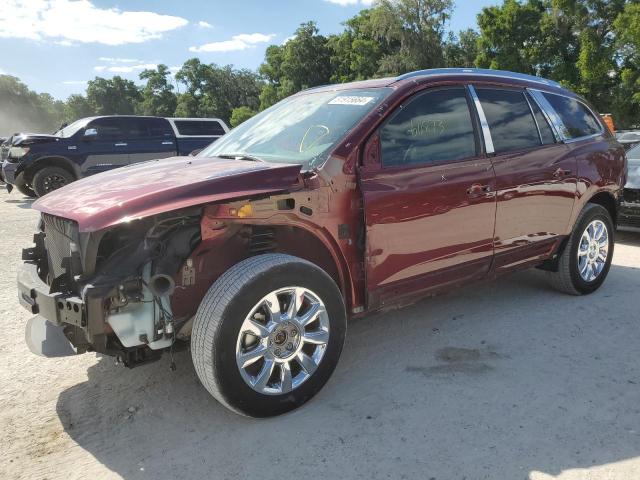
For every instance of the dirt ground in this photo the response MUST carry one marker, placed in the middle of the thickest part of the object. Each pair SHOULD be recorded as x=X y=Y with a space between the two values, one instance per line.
x=505 y=381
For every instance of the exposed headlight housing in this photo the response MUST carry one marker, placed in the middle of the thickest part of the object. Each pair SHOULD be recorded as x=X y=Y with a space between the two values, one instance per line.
x=16 y=153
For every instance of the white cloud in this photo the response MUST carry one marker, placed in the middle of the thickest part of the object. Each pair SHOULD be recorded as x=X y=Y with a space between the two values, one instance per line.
x=118 y=60
x=80 y=21
x=241 y=41
x=74 y=82
x=203 y=24
x=344 y=3
x=125 y=68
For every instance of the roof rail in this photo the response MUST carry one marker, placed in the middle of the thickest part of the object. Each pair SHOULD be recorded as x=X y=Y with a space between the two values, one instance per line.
x=478 y=72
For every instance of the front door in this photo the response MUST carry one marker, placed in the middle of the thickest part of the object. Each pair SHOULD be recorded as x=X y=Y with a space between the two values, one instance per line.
x=429 y=201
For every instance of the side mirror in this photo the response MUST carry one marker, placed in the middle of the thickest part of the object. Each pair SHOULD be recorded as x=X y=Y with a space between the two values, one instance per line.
x=196 y=152
x=90 y=134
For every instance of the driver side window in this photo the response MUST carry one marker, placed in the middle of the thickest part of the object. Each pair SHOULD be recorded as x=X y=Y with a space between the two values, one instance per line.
x=434 y=126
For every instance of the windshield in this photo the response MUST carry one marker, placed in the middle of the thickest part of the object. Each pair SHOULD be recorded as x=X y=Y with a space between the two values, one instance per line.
x=301 y=129
x=71 y=130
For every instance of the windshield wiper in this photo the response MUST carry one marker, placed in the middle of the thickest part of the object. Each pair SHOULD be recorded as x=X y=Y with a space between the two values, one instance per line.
x=240 y=156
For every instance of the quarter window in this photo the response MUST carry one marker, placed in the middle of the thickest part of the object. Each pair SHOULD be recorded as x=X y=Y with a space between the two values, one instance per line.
x=546 y=134
x=576 y=117
x=434 y=126
x=510 y=119
x=199 y=127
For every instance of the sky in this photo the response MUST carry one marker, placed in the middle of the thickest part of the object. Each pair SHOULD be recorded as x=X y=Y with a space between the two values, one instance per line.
x=55 y=46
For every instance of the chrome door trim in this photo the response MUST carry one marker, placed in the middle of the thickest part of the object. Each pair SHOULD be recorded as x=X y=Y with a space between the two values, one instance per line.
x=486 y=132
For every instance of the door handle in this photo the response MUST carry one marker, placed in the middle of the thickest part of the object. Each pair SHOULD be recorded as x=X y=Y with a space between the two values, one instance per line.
x=477 y=189
x=167 y=143
x=559 y=173
x=120 y=145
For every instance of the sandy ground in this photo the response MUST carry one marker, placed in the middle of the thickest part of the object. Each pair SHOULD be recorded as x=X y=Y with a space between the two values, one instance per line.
x=505 y=381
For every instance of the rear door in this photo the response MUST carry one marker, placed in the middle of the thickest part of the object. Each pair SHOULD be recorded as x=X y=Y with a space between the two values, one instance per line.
x=429 y=198
x=535 y=175
x=149 y=138
x=104 y=145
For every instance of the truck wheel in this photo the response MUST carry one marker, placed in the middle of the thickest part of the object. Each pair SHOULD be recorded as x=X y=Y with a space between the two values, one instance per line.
x=268 y=334
x=586 y=259
x=48 y=179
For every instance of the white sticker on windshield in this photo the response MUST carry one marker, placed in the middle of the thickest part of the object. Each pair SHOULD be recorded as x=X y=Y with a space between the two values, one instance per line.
x=351 y=100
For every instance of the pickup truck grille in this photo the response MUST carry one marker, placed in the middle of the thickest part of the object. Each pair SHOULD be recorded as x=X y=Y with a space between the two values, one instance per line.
x=59 y=233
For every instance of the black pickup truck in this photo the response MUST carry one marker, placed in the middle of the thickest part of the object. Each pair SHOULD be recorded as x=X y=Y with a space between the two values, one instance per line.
x=36 y=164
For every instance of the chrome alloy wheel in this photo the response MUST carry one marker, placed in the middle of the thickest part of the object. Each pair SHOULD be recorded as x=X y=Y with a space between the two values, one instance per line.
x=282 y=340
x=593 y=250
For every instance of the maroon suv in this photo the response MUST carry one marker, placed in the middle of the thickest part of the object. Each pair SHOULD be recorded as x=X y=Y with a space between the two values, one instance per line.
x=335 y=202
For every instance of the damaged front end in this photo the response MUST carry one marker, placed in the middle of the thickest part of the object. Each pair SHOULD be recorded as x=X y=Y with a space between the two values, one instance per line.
x=107 y=291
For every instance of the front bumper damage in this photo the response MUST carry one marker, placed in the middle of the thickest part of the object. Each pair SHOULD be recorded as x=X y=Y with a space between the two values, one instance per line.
x=116 y=312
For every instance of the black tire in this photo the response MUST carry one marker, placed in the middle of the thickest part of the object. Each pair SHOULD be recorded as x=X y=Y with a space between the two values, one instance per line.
x=222 y=312
x=23 y=188
x=568 y=279
x=48 y=179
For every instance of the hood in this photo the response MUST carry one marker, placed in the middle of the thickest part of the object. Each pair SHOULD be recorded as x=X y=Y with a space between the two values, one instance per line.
x=633 y=173
x=158 y=186
x=31 y=138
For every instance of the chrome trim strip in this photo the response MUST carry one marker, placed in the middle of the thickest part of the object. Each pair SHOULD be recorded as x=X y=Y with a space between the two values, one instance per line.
x=486 y=132
x=554 y=119
x=533 y=114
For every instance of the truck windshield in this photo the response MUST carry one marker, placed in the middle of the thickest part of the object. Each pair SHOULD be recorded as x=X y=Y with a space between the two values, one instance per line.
x=301 y=129
x=71 y=130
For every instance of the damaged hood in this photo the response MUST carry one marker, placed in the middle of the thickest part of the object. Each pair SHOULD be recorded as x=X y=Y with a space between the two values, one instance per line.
x=158 y=186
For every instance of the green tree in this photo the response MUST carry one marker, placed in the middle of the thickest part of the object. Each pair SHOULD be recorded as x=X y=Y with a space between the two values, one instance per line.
x=357 y=51
x=77 y=107
x=627 y=92
x=461 y=51
x=302 y=62
x=157 y=95
x=25 y=110
x=418 y=27
x=240 y=114
x=115 y=96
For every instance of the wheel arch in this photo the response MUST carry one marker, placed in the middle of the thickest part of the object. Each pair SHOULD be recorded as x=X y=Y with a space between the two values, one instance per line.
x=605 y=199
x=50 y=161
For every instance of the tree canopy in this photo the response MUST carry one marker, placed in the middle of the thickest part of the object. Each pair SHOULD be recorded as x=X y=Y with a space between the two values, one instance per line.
x=591 y=46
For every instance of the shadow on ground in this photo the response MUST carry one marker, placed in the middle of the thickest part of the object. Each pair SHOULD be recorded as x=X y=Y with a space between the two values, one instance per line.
x=493 y=381
x=21 y=201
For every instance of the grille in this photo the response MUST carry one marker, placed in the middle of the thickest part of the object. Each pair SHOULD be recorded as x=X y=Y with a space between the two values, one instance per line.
x=59 y=233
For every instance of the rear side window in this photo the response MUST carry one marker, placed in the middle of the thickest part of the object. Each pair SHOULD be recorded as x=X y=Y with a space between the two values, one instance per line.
x=159 y=127
x=546 y=134
x=510 y=119
x=434 y=126
x=199 y=127
x=577 y=119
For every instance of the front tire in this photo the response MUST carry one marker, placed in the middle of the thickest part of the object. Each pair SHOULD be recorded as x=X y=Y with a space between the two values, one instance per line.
x=23 y=188
x=48 y=179
x=585 y=262
x=268 y=334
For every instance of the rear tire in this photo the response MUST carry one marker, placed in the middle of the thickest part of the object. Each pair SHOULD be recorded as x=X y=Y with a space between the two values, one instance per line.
x=584 y=264
x=48 y=179
x=250 y=332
